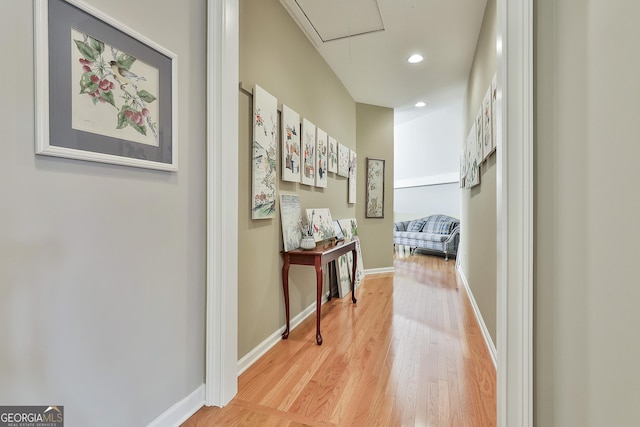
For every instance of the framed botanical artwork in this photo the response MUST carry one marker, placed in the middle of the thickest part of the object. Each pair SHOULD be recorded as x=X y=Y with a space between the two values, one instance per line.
x=308 y=152
x=333 y=155
x=349 y=228
x=343 y=160
x=479 y=137
x=291 y=216
x=375 y=188
x=353 y=163
x=472 y=169
x=104 y=92
x=290 y=145
x=265 y=134
x=322 y=155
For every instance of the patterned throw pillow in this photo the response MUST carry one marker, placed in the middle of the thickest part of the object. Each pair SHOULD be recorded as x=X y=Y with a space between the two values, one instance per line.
x=416 y=225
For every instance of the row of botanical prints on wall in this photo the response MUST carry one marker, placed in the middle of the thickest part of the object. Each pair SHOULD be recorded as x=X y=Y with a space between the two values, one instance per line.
x=308 y=154
x=481 y=140
x=322 y=224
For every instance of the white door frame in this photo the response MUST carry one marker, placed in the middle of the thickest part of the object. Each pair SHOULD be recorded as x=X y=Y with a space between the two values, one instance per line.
x=514 y=207
x=515 y=213
x=221 y=382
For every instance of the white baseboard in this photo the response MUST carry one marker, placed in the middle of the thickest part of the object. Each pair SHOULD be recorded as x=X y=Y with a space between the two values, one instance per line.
x=483 y=327
x=378 y=270
x=259 y=351
x=180 y=411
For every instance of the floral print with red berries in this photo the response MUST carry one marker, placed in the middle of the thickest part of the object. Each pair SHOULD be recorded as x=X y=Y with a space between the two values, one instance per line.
x=100 y=82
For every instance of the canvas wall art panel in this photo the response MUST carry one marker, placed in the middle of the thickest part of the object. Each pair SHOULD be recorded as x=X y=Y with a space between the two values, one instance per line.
x=265 y=132
x=290 y=145
x=473 y=176
x=344 y=271
x=343 y=160
x=333 y=155
x=375 y=188
x=291 y=216
x=322 y=157
x=353 y=163
x=479 y=137
x=494 y=105
x=308 y=152
x=350 y=230
x=487 y=148
x=321 y=222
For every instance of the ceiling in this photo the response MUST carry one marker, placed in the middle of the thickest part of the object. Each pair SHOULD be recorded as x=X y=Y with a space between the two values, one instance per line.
x=367 y=43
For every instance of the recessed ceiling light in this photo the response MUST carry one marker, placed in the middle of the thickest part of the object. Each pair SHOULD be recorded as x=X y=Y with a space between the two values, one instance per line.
x=415 y=58
x=420 y=104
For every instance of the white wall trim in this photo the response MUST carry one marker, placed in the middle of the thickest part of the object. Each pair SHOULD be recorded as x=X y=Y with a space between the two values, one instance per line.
x=371 y=271
x=273 y=339
x=181 y=411
x=221 y=380
x=514 y=193
x=483 y=326
x=446 y=178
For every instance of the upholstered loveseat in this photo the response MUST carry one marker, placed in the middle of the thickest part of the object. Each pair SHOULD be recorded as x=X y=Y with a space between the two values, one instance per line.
x=439 y=233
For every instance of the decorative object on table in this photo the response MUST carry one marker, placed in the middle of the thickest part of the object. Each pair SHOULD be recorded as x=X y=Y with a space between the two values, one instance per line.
x=338 y=230
x=322 y=155
x=486 y=125
x=114 y=90
x=290 y=145
x=321 y=223
x=265 y=132
x=353 y=163
x=333 y=155
x=308 y=152
x=375 y=188
x=349 y=228
x=291 y=216
x=307 y=242
x=343 y=160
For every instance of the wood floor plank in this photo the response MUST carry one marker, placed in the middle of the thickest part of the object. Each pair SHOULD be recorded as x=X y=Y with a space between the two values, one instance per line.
x=409 y=353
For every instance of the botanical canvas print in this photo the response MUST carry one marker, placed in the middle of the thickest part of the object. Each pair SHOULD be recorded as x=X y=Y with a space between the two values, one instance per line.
x=472 y=177
x=486 y=125
x=463 y=166
x=322 y=152
x=290 y=145
x=479 y=137
x=343 y=160
x=322 y=224
x=291 y=216
x=308 y=152
x=375 y=188
x=333 y=155
x=494 y=117
x=353 y=162
x=114 y=94
x=344 y=269
x=350 y=230
x=265 y=119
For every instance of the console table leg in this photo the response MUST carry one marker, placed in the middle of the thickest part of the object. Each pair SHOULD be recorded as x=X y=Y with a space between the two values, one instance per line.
x=285 y=288
x=354 y=270
x=318 y=301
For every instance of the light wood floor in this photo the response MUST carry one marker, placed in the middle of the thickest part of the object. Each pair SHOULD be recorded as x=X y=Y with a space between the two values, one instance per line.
x=409 y=353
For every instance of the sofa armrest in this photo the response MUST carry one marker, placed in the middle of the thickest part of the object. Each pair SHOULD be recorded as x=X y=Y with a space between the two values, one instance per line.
x=400 y=226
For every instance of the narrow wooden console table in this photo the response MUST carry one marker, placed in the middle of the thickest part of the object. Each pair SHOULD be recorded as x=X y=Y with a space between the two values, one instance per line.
x=316 y=257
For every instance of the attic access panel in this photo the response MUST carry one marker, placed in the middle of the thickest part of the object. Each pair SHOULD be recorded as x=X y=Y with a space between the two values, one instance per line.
x=338 y=19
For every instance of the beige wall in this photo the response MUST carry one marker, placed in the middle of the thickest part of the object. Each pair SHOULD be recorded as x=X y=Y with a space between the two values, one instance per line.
x=478 y=207
x=587 y=202
x=102 y=267
x=275 y=54
x=375 y=140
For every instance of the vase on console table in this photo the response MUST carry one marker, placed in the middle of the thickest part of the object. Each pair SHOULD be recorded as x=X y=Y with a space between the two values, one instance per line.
x=307 y=243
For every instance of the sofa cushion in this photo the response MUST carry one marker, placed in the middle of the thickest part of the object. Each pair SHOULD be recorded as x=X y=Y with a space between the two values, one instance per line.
x=416 y=225
x=439 y=224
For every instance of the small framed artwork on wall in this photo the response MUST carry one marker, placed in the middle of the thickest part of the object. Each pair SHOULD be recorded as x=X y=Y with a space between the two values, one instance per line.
x=375 y=188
